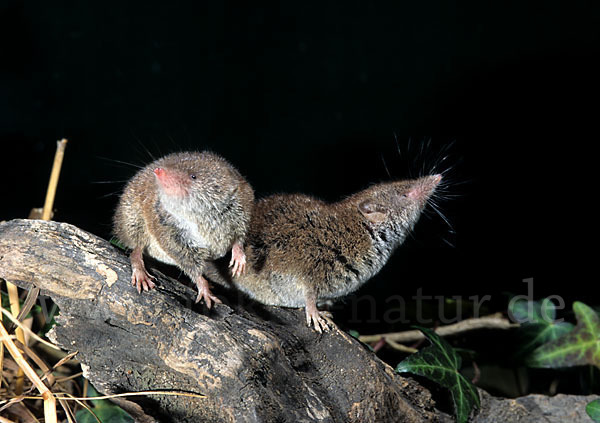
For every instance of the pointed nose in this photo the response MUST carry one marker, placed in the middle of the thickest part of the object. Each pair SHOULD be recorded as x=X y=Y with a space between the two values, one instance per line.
x=159 y=171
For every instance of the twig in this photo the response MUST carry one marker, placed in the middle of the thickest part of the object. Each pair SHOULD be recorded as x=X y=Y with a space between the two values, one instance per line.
x=68 y=397
x=65 y=359
x=476 y=375
x=379 y=345
x=401 y=347
x=494 y=321
x=132 y=394
x=70 y=377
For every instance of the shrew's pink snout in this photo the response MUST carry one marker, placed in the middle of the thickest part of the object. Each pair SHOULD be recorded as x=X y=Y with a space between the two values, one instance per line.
x=424 y=187
x=171 y=182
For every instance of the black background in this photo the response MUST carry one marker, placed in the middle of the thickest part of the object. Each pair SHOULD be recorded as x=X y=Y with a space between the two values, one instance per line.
x=319 y=98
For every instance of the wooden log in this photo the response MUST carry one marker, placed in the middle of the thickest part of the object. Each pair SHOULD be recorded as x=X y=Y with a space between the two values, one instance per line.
x=253 y=363
x=264 y=365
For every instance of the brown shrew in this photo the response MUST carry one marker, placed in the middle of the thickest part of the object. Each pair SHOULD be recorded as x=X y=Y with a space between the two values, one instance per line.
x=301 y=251
x=185 y=209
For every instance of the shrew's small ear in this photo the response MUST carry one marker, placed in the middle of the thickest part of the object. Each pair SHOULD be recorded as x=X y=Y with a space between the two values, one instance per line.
x=372 y=211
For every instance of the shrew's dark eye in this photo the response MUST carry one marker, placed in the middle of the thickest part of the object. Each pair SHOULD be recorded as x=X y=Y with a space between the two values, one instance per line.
x=193 y=176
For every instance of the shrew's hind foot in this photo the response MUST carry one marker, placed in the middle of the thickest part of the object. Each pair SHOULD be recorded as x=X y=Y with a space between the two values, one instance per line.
x=142 y=280
x=205 y=293
x=320 y=320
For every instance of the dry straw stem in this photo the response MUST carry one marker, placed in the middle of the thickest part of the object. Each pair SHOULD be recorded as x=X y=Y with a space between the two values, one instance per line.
x=66 y=407
x=68 y=411
x=51 y=380
x=49 y=400
x=20 y=411
x=46 y=371
x=70 y=377
x=13 y=293
x=51 y=192
x=13 y=296
x=26 y=329
x=63 y=397
x=29 y=302
x=493 y=321
x=1 y=354
x=69 y=397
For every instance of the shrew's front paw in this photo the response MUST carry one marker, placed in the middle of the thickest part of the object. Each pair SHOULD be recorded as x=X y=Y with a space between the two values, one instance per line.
x=238 y=259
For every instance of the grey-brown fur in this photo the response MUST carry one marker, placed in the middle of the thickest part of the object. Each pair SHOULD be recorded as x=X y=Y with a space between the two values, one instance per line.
x=211 y=214
x=301 y=250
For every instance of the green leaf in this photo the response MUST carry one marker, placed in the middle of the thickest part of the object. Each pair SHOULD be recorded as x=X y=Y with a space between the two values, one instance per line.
x=538 y=334
x=593 y=410
x=114 y=241
x=537 y=322
x=524 y=311
x=5 y=300
x=578 y=347
x=106 y=414
x=105 y=410
x=440 y=363
x=354 y=333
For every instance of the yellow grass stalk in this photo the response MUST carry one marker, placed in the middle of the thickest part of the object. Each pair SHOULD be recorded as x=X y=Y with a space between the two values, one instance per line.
x=49 y=399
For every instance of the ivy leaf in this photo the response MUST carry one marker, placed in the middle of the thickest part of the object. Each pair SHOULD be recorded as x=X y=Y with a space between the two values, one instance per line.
x=538 y=323
x=578 y=347
x=524 y=311
x=593 y=410
x=440 y=363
